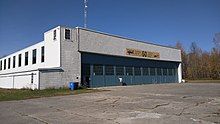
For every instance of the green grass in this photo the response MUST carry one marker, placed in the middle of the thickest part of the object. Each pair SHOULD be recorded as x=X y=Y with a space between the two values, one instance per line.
x=21 y=94
x=203 y=81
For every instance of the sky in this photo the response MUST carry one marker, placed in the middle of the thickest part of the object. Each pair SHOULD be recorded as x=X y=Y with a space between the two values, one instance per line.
x=23 y=22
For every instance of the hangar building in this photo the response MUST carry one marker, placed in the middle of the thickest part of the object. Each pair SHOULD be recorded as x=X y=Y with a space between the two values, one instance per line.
x=92 y=58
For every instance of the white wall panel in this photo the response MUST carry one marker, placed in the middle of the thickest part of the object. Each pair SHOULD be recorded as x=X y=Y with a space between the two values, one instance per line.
x=20 y=80
x=6 y=82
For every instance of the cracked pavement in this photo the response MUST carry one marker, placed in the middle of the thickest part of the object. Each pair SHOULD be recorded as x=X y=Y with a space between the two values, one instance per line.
x=161 y=103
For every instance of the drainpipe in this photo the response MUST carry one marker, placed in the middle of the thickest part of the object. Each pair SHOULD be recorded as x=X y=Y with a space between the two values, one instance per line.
x=13 y=82
x=79 y=62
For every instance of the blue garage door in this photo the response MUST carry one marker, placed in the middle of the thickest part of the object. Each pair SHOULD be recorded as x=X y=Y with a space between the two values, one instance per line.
x=106 y=70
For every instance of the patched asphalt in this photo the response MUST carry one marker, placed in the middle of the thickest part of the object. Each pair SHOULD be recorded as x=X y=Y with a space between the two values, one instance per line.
x=154 y=103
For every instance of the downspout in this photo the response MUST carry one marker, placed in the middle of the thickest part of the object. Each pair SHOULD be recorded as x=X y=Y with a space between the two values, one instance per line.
x=79 y=62
x=13 y=78
x=38 y=80
x=77 y=36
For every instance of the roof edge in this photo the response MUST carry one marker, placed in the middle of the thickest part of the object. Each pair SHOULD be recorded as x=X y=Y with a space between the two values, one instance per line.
x=118 y=36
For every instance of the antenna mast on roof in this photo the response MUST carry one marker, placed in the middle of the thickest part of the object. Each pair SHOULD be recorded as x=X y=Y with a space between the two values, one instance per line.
x=85 y=13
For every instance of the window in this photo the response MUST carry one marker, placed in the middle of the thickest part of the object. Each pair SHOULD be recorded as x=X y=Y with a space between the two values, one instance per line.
x=152 y=71
x=26 y=58
x=86 y=69
x=13 y=61
x=129 y=70
x=19 y=60
x=67 y=33
x=4 y=64
x=119 y=70
x=54 y=34
x=9 y=63
x=1 y=65
x=42 y=54
x=175 y=71
x=170 y=72
x=34 y=56
x=164 y=71
x=98 y=70
x=109 y=70
x=137 y=71
x=159 y=71
x=145 y=71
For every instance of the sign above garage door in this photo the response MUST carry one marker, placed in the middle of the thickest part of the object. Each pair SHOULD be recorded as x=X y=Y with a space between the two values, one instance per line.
x=147 y=54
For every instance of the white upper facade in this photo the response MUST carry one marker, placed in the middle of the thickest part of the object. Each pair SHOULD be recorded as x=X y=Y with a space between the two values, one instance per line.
x=48 y=51
x=45 y=54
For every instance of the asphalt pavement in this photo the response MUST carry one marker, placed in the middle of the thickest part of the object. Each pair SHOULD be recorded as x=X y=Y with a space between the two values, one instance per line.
x=154 y=103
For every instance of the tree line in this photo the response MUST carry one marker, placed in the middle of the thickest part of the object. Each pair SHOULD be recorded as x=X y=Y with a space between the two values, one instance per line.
x=200 y=64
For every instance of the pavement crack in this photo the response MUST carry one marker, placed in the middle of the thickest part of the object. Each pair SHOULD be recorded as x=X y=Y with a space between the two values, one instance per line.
x=181 y=112
x=115 y=101
x=101 y=100
x=186 y=97
x=159 y=105
x=203 y=102
x=36 y=118
x=30 y=116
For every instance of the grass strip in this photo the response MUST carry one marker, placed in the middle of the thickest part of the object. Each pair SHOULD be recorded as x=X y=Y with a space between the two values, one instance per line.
x=21 y=94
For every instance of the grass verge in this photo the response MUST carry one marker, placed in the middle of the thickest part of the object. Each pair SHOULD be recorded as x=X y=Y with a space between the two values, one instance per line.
x=21 y=94
x=203 y=81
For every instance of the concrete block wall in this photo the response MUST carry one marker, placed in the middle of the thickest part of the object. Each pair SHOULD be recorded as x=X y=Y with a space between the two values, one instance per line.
x=50 y=79
x=70 y=63
x=102 y=43
x=70 y=57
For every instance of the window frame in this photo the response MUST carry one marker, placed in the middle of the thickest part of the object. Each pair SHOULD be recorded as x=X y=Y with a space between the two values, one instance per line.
x=65 y=34
x=14 y=61
x=55 y=34
x=0 y=65
x=119 y=70
x=42 y=54
x=109 y=70
x=34 y=56
x=98 y=70
x=137 y=69
x=144 y=71
x=129 y=71
x=165 y=71
x=154 y=71
x=19 y=60
x=26 y=58
x=159 y=71
x=5 y=64
x=9 y=63
x=170 y=71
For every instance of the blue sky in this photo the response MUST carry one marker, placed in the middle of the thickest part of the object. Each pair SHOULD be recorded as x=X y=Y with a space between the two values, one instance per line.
x=23 y=22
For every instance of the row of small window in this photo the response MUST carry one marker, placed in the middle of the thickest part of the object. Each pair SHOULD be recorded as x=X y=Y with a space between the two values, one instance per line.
x=67 y=34
x=137 y=71
x=34 y=59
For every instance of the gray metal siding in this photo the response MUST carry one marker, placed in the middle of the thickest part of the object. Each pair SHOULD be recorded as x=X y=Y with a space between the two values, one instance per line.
x=94 y=42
